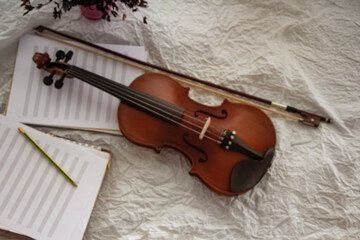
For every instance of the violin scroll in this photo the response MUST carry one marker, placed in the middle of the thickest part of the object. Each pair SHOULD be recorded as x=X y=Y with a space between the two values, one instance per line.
x=48 y=80
x=43 y=61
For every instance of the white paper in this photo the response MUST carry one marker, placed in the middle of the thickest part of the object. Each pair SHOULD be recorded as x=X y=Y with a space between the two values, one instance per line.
x=76 y=104
x=35 y=198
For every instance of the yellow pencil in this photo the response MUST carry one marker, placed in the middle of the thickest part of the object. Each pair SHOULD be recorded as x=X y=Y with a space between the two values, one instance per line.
x=47 y=156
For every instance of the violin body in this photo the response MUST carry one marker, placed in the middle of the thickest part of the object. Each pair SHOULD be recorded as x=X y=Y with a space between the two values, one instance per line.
x=230 y=146
x=220 y=169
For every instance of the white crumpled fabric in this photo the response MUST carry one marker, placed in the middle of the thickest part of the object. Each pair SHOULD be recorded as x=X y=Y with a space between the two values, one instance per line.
x=302 y=53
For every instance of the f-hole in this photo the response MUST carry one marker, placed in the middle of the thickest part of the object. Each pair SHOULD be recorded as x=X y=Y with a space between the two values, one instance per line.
x=201 y=159
x=223 y=115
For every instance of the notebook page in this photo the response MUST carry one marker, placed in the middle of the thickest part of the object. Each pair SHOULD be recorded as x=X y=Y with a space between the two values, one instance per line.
x=35 y=199
x=76 y=104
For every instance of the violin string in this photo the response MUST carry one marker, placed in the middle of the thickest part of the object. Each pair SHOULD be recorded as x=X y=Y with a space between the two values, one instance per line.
x=96 y=84
x=129 y=94
x=159 y=114
x=200 y=119
x=217 y=132
x=186 y=112
x=116 y=85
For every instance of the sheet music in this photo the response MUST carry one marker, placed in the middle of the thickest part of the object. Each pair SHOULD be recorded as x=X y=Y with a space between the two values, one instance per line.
x=76 y=104
x=35 y=199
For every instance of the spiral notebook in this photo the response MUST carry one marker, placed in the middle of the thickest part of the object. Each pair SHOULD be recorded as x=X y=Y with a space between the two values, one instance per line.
x=35 y=199
x=77 y=104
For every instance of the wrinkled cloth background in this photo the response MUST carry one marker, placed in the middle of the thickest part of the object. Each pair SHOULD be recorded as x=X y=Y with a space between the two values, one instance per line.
x=302 y=53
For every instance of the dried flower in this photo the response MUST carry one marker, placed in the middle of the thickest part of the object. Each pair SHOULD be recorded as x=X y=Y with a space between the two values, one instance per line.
x=107 y=7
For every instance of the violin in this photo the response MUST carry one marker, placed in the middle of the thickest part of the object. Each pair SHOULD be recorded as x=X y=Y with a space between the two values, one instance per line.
x=230 y=146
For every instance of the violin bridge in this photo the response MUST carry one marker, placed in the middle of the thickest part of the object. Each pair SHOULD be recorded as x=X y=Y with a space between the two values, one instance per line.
x=205 y=128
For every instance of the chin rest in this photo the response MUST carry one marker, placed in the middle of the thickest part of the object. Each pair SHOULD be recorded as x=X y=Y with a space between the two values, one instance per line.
x=247 y=173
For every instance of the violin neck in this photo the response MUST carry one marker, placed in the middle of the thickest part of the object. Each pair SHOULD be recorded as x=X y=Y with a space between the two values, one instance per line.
x=142 y=101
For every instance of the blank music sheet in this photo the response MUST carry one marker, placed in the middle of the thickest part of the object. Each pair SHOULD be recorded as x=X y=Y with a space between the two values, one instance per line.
x=35 y=198
x=76 y=104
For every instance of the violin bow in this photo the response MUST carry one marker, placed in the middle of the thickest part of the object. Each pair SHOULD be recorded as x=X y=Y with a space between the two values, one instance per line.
x=304 y=117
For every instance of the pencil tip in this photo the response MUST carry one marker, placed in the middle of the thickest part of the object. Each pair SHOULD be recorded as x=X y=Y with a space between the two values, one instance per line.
x=21 y=130
x=74 y=183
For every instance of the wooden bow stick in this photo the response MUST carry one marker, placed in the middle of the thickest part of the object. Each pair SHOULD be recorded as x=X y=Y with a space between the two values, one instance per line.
x=305 y=117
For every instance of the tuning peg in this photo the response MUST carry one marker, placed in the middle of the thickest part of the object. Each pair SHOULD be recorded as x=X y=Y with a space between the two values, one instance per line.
x=60 y=82
x=48 y=80
x=60 y=55
x=68 y=56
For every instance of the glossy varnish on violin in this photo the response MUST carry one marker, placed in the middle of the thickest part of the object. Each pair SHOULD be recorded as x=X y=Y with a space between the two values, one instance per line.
x=230 y=146
x=212 y=163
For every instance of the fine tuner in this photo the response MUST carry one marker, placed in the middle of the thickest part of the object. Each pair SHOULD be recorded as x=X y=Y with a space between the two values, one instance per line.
x=230 y=146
